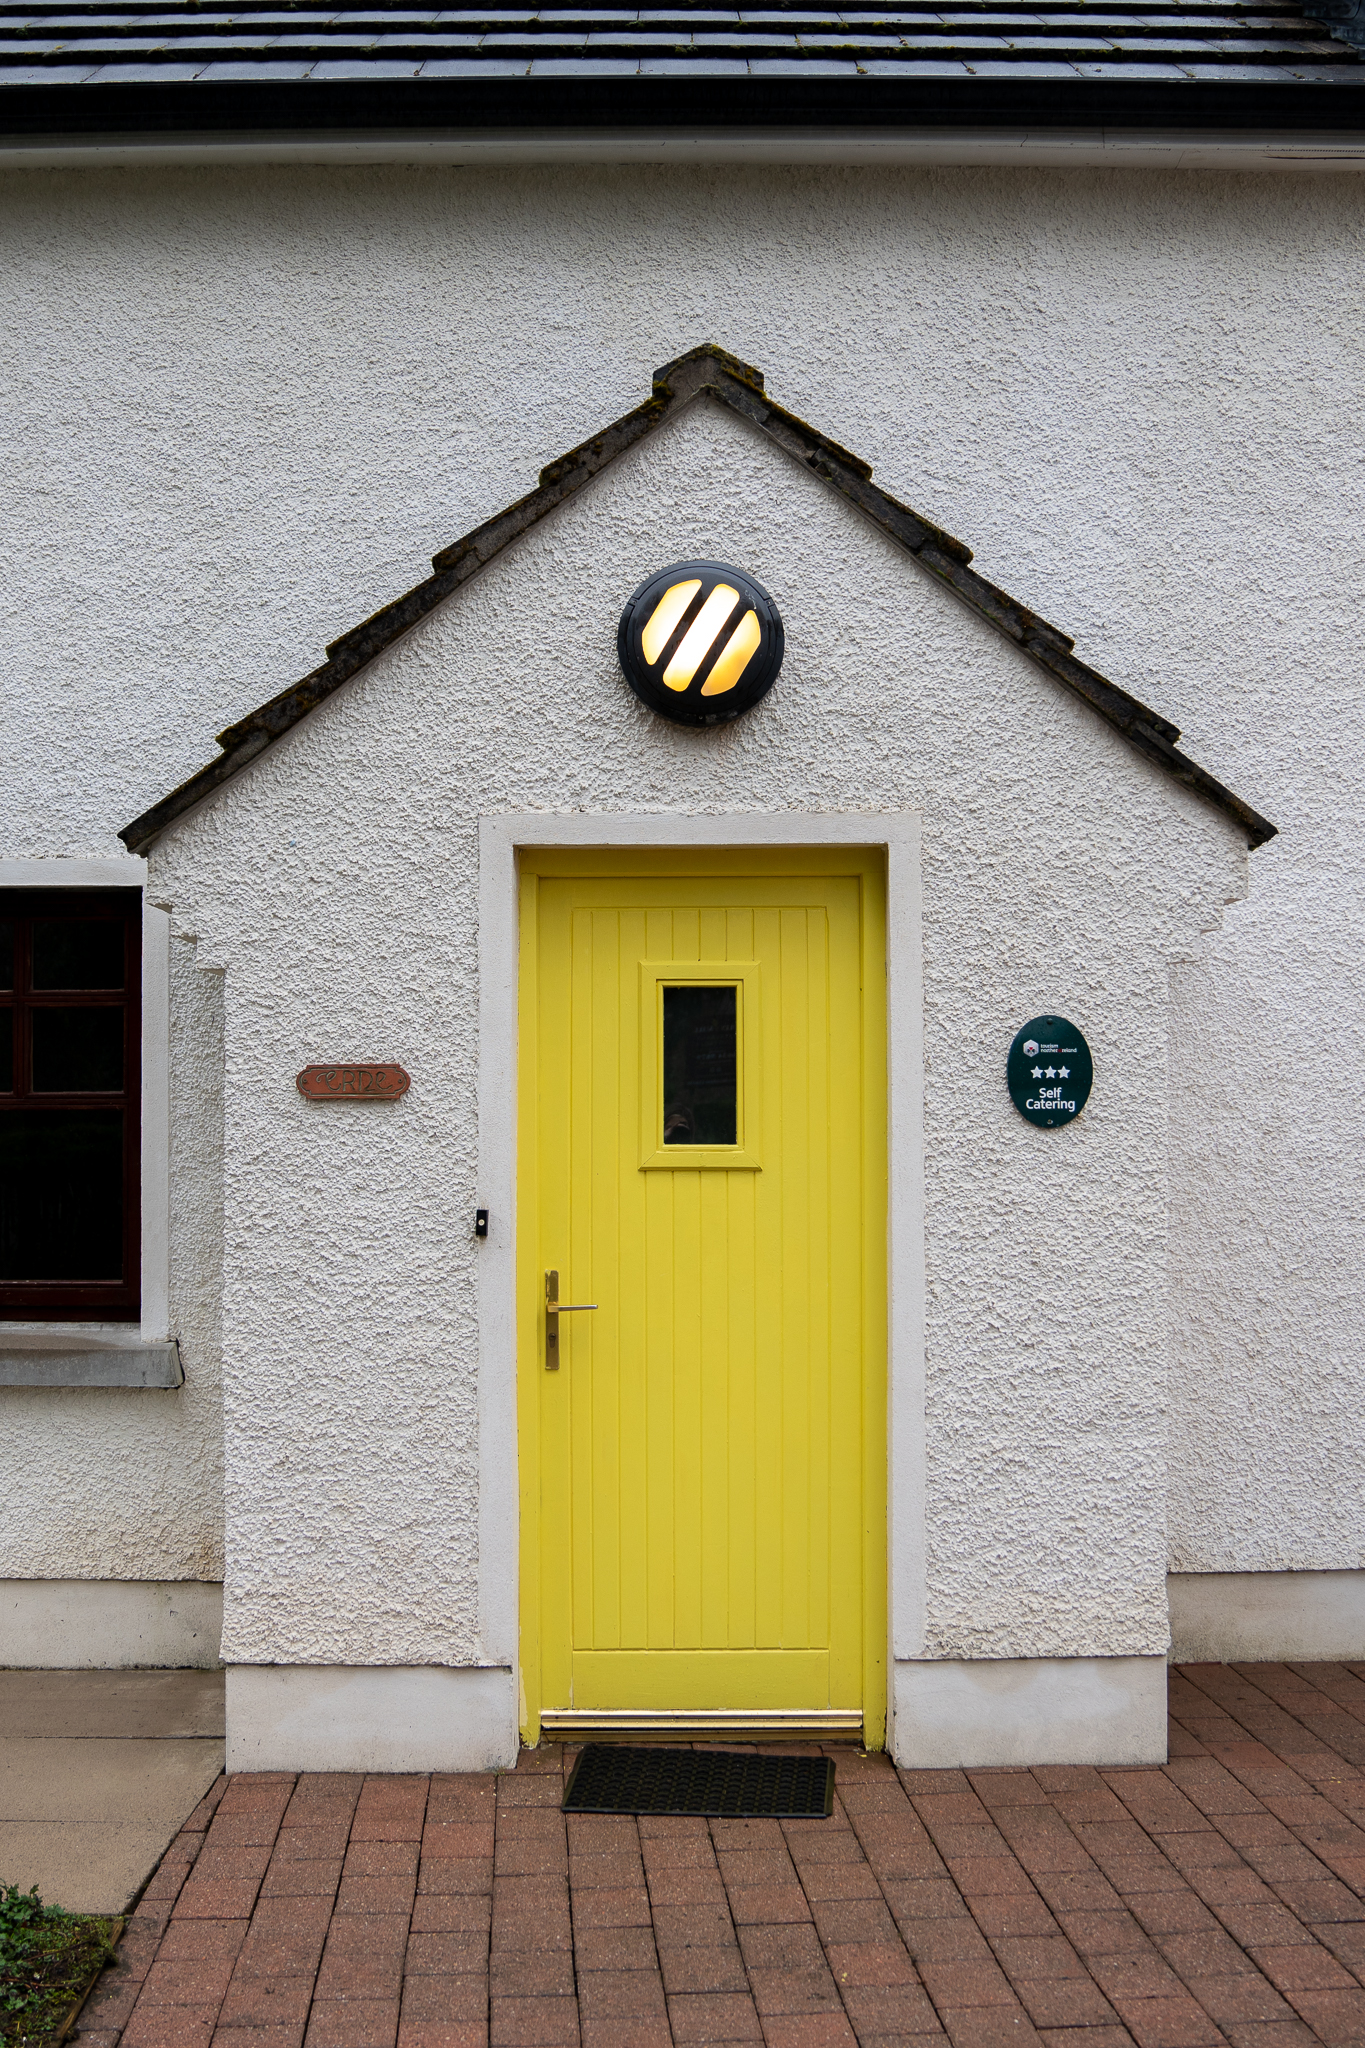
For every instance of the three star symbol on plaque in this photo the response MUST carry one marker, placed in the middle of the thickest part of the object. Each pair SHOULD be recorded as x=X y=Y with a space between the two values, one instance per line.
x=1044 y=1094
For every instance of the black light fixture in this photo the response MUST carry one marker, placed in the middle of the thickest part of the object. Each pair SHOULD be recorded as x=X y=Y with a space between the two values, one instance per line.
x=700 y=642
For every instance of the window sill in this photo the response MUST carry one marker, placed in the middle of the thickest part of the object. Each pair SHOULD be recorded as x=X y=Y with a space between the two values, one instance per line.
x=54 y=1357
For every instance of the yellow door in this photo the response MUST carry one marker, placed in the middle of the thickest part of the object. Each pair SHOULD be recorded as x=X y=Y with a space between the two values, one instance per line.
x=703 y=1157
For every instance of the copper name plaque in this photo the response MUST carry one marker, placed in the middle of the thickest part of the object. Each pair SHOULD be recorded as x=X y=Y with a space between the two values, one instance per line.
x=361 y=1083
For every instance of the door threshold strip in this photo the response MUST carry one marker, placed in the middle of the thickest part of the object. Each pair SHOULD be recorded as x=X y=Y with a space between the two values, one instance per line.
x=773 y=1724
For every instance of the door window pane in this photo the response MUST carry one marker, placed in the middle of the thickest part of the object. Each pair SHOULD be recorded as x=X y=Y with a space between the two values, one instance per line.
x=61 y=1194
x=76 y=1049
x=701 y=1066
x=6 y=956
x=6 y=1051
x=78 y=952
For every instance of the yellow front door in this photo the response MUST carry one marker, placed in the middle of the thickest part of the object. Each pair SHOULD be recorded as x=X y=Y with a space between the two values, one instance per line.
x=703 y=1157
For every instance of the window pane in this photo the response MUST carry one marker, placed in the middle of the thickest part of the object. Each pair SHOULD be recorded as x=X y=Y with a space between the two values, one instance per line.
x=61 y=1194
x=78 y=952
x=76 y=1049
x=6 y=1051
x=6 y=956
x=700 y=1066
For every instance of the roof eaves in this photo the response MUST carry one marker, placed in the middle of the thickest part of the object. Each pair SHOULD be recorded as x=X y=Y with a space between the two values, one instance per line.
x=709 y=371
x=487 y=93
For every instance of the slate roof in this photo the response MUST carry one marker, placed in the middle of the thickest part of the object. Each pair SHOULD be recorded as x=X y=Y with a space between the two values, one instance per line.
x=81 y=66
x=706 y=371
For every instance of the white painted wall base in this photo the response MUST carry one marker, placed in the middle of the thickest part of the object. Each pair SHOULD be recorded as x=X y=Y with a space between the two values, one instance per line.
x=1037 y=1710
x=110 y=1624
x=1266 y=1617
x=336 y=1717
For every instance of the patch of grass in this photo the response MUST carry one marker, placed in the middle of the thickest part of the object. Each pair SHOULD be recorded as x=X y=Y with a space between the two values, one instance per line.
x=48 y=1960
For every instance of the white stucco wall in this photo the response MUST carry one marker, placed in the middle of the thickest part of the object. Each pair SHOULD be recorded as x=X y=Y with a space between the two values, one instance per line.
x=337 y=883
x=248 y=406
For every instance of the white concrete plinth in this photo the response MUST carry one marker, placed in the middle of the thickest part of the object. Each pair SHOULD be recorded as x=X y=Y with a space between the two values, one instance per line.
x=110 y=1624
x=1266 y=1617
x=333 y=1717
x=1043 y=1710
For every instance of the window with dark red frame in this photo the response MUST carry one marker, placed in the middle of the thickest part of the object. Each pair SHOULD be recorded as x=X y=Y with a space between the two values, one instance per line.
x=70 y=1104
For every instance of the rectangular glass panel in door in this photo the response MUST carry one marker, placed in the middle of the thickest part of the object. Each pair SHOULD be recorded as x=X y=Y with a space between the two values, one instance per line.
x=706 y=1465
x=701 y=1064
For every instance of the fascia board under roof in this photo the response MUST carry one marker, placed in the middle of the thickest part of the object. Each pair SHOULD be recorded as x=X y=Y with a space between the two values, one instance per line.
x=206 y=107
x=1056 y=149
x=706 y=371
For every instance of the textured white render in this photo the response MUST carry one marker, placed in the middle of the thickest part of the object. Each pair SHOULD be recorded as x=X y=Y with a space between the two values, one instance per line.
x=245 y=407
x=337 y=882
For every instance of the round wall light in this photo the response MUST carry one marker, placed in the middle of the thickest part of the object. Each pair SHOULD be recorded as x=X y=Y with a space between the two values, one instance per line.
x=700 y=642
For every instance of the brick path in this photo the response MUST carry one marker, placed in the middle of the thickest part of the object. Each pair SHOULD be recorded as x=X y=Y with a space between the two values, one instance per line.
x=1221 y=1898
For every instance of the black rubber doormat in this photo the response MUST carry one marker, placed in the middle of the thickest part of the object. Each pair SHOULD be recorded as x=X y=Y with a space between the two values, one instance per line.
x=715 y=1784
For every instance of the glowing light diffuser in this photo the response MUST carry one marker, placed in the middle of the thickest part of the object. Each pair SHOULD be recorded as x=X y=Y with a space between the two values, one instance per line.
x=734 y=657
x=665 y=616
x=700 y=637
x=700 y=642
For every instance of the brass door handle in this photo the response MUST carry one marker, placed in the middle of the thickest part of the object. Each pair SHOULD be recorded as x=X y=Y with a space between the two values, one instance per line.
x=554 y=1308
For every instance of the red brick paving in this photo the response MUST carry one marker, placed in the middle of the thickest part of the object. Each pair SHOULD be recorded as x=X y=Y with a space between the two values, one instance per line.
x=1218 y=1899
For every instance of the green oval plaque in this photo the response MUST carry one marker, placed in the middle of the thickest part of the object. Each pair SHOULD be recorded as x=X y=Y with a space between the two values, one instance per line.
x=1049 y=1071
